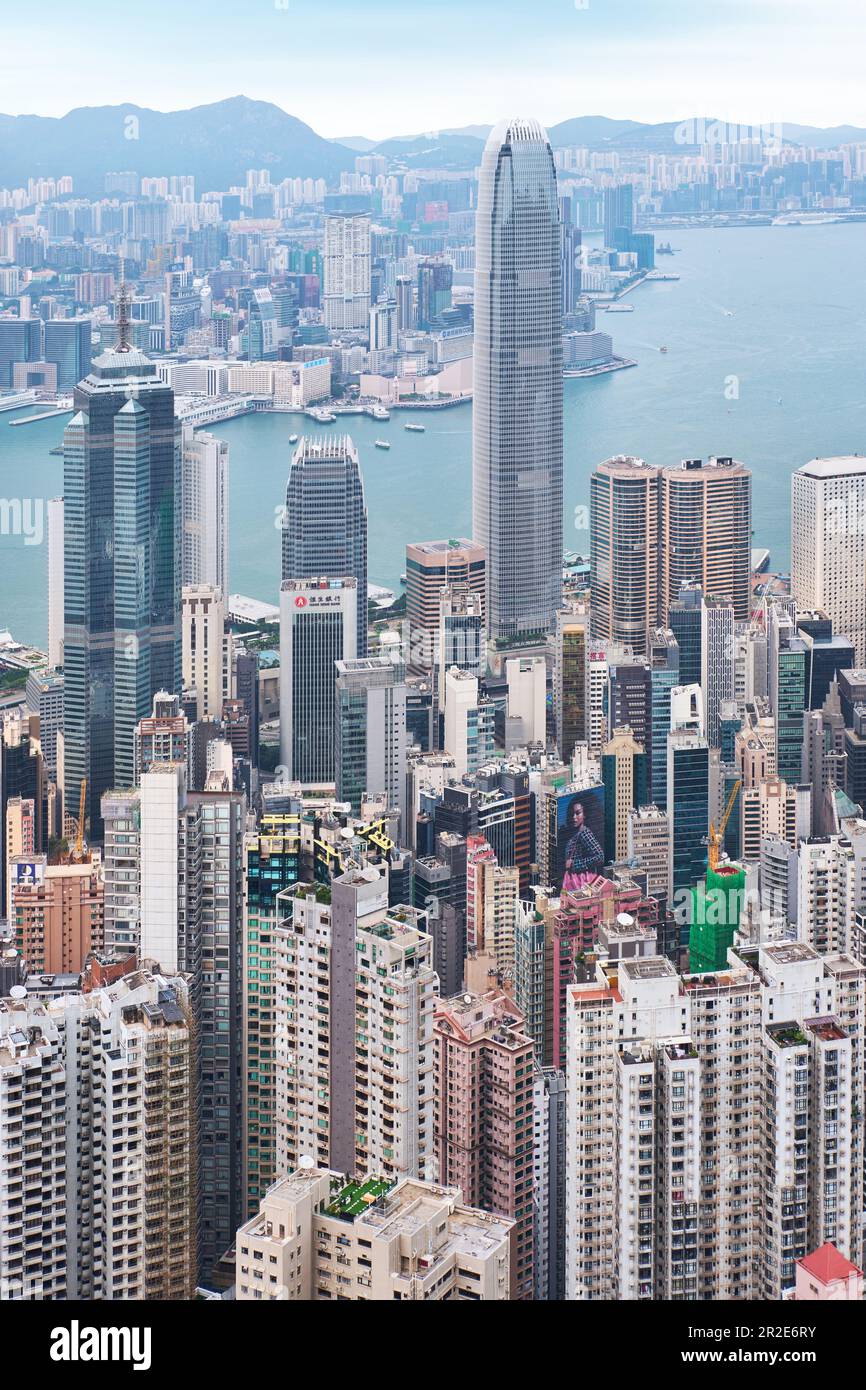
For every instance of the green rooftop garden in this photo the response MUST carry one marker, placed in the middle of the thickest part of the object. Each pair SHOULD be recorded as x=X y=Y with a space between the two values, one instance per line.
x=354 y=1199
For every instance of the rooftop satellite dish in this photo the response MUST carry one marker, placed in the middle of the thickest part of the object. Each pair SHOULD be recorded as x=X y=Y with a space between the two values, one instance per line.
x=17 y=992
x=467 y=999
x=306 y=1162
x=625 y=920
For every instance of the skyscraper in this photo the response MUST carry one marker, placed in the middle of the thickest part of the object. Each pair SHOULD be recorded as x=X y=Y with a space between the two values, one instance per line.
x=67 y=344
x=434 y=290
x=206 y=648
x=370 y=731
x=432 y=566
x=717 y=662
x=346 y=297
x=696 y=1068
x=54 y=508
x=517 y=381
x=624 y=531
x=688 y=790
x=705 y=516
x=205 y=510
x=325 y=520
x=347 y=972
x=828 y=544
x=317 y=629
x=570 y=680
x=684 y=621
x=107 y=1084
x=483 y=1116
x=121 y=488
x=618 y=211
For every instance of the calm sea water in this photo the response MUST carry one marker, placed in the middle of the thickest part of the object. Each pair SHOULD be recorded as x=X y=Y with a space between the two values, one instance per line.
x=766 y=338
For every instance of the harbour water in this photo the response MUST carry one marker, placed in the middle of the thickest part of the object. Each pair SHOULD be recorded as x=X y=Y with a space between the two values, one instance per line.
x=766 y=343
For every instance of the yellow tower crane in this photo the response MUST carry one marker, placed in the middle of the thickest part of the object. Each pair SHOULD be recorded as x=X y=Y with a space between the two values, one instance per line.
x=715 y=837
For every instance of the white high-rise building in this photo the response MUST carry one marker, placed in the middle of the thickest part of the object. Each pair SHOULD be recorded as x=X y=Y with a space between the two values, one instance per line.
x=97 y=1127
x=717 y=661
x=318 y=628
x=649 y=832
x=826 y=893
x=205 y=510
x=54 y=508
x=317 y=1237
x=517 y=381
x=346 y=266
x=828 y=544
x=370 y=731
x=468 y=735
x=206 y=648
x=354 y=999
x=173 y=875
x=712 y=1124
x=526 y=713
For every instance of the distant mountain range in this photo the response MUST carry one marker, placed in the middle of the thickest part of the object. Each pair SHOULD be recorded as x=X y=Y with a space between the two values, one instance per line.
x=461 y=148
x=219 y=142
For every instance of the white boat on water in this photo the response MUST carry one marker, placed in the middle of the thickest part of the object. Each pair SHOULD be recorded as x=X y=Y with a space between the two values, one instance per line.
x=416 y=429
x=381 y=444
x=380 y=413
x=293 y=439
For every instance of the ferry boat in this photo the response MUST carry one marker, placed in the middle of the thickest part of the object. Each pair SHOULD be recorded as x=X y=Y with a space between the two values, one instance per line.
x=380 y=413
x=416 y=429
x=324 y=417
x=664 y=248
x=619 y=308
x=293 y=439
x=381 y=444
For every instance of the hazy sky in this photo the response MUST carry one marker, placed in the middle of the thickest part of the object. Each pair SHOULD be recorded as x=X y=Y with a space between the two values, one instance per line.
x=387 y=68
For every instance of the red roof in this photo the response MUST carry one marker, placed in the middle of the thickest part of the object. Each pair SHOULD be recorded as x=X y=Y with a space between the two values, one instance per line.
x=826 y=1264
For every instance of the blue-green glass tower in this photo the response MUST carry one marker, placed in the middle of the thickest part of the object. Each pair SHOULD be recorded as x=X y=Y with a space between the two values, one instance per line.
x=121 y=485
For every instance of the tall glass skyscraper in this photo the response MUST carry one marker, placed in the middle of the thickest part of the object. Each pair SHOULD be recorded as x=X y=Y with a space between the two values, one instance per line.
x=122 y=515
x=325 y=521
x=517 y=422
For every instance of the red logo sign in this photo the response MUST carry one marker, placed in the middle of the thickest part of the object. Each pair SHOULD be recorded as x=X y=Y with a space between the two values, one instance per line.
x=301 y=602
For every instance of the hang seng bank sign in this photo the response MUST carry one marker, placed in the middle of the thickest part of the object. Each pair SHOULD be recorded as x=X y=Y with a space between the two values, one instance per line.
x=323 y=600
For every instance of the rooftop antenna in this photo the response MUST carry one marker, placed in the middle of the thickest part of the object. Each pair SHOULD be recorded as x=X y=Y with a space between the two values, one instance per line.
x=122 y=304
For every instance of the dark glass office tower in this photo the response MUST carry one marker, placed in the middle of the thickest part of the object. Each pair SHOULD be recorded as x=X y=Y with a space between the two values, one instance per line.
x=20 y=341
x=684 y=621
x=517 y=376
x=67 y=345
x=618 y=211
x=325 y=521
x=121 y=471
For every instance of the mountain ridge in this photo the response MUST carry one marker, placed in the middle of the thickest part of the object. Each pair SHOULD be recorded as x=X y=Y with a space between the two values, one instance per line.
x=219 y=141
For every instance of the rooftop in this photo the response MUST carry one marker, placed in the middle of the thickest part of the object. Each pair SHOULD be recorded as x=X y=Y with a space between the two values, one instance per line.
x=648 y=968
x=844 y=465
x=827 y=1264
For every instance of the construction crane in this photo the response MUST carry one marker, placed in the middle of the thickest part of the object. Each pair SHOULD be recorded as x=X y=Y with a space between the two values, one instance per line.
x=78 y=851
x=715 y=837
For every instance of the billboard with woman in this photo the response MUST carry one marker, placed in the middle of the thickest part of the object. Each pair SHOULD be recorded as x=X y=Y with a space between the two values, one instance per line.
x=579 y=838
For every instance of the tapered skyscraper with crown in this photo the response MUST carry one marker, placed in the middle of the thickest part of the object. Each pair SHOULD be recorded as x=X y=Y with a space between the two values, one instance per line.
x=122 y=520
x=517 y=411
